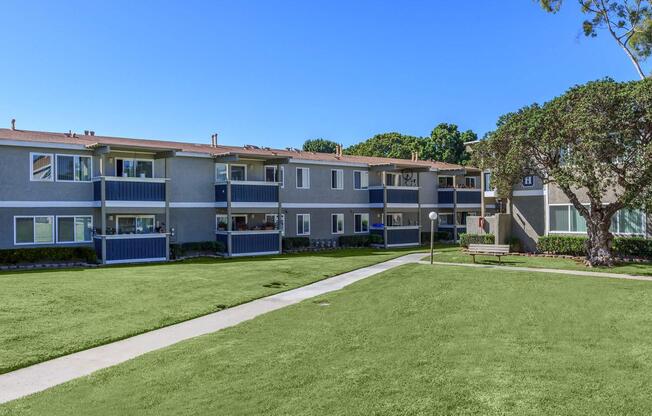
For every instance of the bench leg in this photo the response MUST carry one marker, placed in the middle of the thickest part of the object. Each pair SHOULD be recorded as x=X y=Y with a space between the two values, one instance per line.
x=499 y=261
x=473 y=255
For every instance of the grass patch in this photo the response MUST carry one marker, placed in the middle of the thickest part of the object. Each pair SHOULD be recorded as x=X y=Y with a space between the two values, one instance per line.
x=411 y=341
x=454 y=254
x=46 y=314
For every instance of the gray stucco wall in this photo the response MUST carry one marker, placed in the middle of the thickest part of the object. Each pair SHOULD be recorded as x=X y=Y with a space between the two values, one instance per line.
x=528 y=220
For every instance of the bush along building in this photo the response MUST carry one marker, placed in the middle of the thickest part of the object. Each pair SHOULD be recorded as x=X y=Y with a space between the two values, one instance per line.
x=537 y=209
x=129 y=200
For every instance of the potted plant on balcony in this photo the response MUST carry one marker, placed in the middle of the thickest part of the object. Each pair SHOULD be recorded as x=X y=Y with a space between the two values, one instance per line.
x=221 y=226
x=269 y=225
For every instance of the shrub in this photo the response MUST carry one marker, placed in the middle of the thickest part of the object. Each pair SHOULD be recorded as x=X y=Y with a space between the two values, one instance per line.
x=178 y=250
x=47 y=254
x=439 y=236
x=633 y=247
x=466 y=239
x=359 y=240
x=562 y=245
x=292 y=243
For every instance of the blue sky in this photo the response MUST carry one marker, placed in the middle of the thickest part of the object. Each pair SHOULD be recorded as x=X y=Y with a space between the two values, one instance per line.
x=275 y=73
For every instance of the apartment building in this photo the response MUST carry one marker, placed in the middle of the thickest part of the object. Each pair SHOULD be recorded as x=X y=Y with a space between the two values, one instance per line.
x=131 y=198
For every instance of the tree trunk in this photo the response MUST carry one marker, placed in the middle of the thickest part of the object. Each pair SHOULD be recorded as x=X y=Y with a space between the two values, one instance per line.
x=598 y=250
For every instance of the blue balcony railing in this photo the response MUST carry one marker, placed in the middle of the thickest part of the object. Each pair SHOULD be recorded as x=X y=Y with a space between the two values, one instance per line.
x=132 y=248
x=130 y=189
x=459 y=196
x=248 y=192
x=395 y=195
x=250 y=243
x=400 y=235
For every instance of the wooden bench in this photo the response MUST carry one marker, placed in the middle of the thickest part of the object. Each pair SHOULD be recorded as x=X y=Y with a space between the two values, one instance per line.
x=497 y=250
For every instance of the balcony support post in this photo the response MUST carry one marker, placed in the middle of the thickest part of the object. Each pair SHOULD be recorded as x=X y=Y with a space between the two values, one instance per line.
x=279 y=220
x=384 y=219
x=167 y=218
x=419 y=204
x=229 y=220
x=103 y=215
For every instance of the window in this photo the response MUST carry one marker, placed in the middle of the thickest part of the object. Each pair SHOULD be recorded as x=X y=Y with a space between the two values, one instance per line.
x=361 y=223
x=135 y=224
x=461 y=217
x=134 y=168
x=470 y=181
x=337 y=223
x=221 y=175
x=566 y=219
x=33 y=230
x=238 y=173
x=74 y=229
x=303 y=224
x=238 y=222
x=337 y=179
x=303 y=178
x=528 y=180
x=445 y=181
x=42 y=167
x=392 y=179
x=446 y=218
x=360 y=179
x=273 y=218
x=71 y=168
x=394 y=220
x=221 y=222
x=487 y=181
x=628 y=221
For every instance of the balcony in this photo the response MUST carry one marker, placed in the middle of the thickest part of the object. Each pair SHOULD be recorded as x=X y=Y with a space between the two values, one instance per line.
x=248 y=193
x=467 y=197
x=132 y=248
x=396 y=195
x=250 y=243
x=400 y=236
x=130 y=189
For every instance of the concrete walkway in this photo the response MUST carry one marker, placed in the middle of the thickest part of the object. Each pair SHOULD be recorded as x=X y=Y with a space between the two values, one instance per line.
x=48 y=374
x=537 y=270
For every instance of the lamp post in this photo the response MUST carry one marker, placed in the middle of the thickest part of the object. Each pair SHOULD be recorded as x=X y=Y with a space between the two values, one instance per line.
x=433 y=217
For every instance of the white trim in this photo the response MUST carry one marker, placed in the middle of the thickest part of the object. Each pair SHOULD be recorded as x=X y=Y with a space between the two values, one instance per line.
x=49 y=204
x=402 y=227
x=325 y=205
x=297 y=225
x=276 y=174
x=330 y=163
x=489 y=194
x=337 y=179
x=546 y=215
x=34 y=243
x=193 y=205
x=362 y=215
x=151 y=260
x=194 y=154
x=529 y=192
x=251 y=183
x=45 y=145
x=362 y=173
x=468 y=190
x=230 y=165
x=115 y=166
x=131 y=236
x=74 y=219
x=475 y=182
x=338 y=215
x=254 y=204
x=468 y=205
x=303 y=176
x=402 y=188
x=445 y=189
x=248 y=232
x=135 y=204
x=130 y=179
x=397 y=205
x=53 y=172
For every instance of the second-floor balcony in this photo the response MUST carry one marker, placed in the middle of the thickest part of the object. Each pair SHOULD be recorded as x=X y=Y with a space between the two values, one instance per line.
x=130 y=189
x=394 y=195
x=459 y=196
x=247 y=192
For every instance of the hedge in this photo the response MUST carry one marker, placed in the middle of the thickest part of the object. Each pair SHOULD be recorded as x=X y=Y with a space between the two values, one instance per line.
x=439 y=236
x=576 y=246
x=359 y=240
x=178 y=250
x=48 y=254
x=466 y=239
x=291 y=243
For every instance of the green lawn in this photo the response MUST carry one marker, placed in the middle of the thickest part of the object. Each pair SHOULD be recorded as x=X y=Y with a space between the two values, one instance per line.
x=454 y=254
x=46 y=314
x=417 y=340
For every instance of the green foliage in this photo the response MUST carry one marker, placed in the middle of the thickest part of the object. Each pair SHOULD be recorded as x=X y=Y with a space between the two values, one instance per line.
x=562 y=245
x=319 y=146
x=633 y=247
x=628 y=22
x=445 y=144
x=293 y=243
x=359 y=240
x=48 y=254
x=179 y=250
x=466 y=239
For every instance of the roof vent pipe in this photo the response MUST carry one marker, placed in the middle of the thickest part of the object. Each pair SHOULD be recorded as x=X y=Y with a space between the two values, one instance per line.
x=13 y=124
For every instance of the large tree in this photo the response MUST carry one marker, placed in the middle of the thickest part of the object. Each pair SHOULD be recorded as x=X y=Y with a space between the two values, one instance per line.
x=445 y=144
x=628 y=22
x=594 y=143
x=319 y=145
